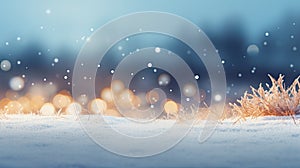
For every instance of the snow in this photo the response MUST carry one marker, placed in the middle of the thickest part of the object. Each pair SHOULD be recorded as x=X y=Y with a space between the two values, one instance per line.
x=42 y=141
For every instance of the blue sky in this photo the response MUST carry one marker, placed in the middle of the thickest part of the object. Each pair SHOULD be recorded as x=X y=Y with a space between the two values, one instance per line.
x=70 y=20
x=59 y=29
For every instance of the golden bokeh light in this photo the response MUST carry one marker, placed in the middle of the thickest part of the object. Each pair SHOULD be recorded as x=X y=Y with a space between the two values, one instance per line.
x=61 y=101
x=47 y=109
x=171 y=107
x=98 y=106
x=125 y=100
x=137 y=102
x=106 y=94
x=3 y=103
x=126 y=95
x=112 y=101
x=25 y=102
x=74 y=109
x=152 y=97
x=44 y=90
x=36 y=102
x=13 y=107
x=117 y=86
x=140 y=101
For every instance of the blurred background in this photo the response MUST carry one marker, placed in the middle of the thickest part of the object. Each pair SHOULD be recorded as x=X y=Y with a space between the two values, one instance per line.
x=40 y=40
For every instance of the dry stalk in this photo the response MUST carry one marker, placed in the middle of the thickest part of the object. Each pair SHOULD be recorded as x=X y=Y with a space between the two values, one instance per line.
x=276 y=100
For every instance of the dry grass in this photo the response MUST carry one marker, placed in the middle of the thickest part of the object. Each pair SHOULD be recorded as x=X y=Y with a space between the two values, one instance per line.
x=276 y=100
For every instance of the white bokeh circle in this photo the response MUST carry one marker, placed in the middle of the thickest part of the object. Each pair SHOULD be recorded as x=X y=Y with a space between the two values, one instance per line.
x=104 y=38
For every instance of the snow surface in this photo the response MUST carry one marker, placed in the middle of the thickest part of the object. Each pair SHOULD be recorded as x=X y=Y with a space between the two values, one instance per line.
x=39 y=141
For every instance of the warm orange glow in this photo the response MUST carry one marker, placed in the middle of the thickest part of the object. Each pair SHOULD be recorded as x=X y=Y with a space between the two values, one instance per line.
x=74 y=109
x=117 y=86
x=106 y=95
x=152 y=97
x=36 y=102
x=44 y=90
x=61 y=101
x=13 y=95
x=140 y=101
x=126 y=95
x=65 y=92
x=98 y=106
x=3 y=103
x=47 y=109
x=112 y=112
x=171 y=107
x=13 y=107
x=125 y=99
x=25 y=102
x=137 y=102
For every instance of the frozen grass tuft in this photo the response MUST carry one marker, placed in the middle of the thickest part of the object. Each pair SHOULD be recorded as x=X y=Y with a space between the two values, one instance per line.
x=276 y=100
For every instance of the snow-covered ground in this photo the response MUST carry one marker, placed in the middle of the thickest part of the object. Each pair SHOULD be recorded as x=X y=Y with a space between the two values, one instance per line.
x=37 y=141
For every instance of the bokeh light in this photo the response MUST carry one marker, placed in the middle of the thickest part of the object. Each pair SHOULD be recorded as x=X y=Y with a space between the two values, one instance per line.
x=171 y=107
x=189 y=90
x=61 y=101
x=83 y=99
x=74 y=109
x=3 y=103
x=164 y=79
x=13 y=107
x=98 y=106
x=252 y=50
x=16 y=83
x=36 y=102
x=47 y=109
x=25 y=102
x=117 y=86
x=152 y=97
x=125 y=100
x=5 y=65
x=106 y=94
